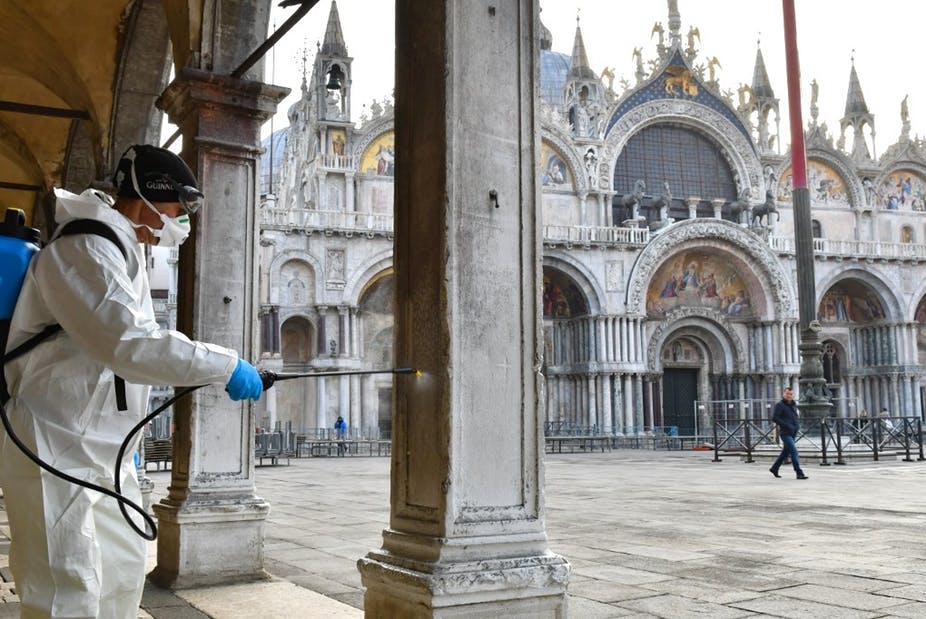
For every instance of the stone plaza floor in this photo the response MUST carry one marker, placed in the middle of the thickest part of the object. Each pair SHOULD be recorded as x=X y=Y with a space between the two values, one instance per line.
x=648 y=534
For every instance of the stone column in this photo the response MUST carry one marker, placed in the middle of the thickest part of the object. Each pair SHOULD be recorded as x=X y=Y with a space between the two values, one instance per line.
x=271 y=404
x=617 y=398
x=343 y=331
x=354 y=333
x=718 y=203
x=607 y=413
x=275 y=329
x=322 y=330
x=321 y=403
x=356 y=396
x=211 y=502
x=692 y=204
x=466 y=533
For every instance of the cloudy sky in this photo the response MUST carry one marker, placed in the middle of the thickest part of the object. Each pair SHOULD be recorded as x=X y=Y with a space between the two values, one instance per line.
x=883 y=37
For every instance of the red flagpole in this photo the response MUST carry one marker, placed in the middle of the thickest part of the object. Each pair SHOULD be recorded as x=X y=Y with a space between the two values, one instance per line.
x=798 y=154
x=814 y=394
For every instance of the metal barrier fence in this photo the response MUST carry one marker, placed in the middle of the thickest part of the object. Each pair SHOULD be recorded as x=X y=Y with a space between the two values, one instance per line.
x=831 y=437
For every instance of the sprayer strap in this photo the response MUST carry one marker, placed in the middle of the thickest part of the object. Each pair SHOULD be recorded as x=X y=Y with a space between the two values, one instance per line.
x=92 y=226
x=76 y=226
x=32 y=342
x=22 y=349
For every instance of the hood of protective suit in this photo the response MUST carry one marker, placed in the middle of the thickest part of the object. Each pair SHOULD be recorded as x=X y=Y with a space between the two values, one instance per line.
x=91 y=204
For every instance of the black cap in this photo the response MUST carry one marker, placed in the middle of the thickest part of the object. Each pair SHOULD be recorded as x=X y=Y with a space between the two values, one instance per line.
x=153 y=166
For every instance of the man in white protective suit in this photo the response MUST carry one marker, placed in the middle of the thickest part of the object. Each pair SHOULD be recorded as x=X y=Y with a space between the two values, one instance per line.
x=72 y=554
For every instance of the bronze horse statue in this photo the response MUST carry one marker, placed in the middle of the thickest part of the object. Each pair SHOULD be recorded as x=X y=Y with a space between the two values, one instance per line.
x=632 y=200
x=740 y=205
x=663 y=201
x=766 y=209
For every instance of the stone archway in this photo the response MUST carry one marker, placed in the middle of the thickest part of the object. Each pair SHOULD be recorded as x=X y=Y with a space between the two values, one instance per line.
x=295 y=400
x=377 y=320
x=684 y=361
x=697 y=357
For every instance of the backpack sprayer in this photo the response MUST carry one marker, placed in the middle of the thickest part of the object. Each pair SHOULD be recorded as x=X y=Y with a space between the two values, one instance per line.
x=18 y=244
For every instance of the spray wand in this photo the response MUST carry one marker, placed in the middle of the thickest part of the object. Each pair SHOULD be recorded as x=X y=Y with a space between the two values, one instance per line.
x=151 y=531
x=268 y=378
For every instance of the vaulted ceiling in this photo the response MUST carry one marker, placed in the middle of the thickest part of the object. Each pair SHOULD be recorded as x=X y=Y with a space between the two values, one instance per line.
x=79 y=81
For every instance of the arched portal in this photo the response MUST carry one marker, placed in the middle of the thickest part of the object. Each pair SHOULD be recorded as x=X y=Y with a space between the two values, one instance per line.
x=697 y=356
x=295 y=400
x=683 y=360
x=858 y=315
x=297 y=336
x=376 y=324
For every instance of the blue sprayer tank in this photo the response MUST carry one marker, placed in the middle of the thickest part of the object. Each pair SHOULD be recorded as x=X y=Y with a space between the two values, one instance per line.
x=18 y=243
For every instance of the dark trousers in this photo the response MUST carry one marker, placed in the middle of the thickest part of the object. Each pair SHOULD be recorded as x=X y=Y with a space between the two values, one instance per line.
x=788 y=450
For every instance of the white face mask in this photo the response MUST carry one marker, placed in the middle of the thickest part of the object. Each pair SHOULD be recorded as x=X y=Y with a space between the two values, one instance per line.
x=175 y=229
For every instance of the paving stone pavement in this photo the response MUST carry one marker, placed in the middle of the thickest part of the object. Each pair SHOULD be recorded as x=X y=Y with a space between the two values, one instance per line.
x=648 y=534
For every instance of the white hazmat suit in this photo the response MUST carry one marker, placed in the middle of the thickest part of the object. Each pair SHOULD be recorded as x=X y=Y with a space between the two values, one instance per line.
x=72 y=554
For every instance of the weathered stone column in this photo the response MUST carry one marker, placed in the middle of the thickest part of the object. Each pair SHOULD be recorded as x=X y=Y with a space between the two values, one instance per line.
x=212 y=522
x=466 y=534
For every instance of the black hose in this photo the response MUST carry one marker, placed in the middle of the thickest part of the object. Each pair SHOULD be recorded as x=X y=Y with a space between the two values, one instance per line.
x=122 y=448
x=116 y=494
x=151 y=531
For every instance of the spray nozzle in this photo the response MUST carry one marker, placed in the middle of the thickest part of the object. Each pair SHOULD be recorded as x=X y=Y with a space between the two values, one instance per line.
x=268 y=378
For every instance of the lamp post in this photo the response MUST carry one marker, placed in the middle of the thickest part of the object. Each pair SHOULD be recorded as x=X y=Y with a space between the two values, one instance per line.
x=815 y=403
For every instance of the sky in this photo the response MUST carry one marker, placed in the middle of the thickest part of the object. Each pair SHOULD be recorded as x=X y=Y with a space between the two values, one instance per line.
x=882 y=36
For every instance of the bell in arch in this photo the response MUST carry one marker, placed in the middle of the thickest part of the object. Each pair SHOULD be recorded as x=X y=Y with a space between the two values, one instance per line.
x=335 y=77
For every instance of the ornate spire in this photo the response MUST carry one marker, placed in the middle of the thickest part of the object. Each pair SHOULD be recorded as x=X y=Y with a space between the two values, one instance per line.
x=855 y=100
x=334 y=40
x=675 y=23
x=857 y=117
x=761 y=86
x=580 y=68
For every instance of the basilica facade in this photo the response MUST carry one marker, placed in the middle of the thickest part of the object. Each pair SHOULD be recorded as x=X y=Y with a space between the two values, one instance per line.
x=669 y=286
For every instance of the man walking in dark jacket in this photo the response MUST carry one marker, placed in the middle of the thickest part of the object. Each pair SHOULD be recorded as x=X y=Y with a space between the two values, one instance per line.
x=785 y=416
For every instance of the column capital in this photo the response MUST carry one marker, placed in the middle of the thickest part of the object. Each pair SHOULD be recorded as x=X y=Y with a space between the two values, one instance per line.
x=194 y=91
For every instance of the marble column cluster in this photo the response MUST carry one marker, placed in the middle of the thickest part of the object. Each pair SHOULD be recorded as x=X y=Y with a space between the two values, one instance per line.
x=598 y=377
x=595 y=375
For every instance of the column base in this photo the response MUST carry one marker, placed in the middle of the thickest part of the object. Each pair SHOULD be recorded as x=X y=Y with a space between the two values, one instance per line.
x=210 y=541
x=146 y=486
x=512 y=587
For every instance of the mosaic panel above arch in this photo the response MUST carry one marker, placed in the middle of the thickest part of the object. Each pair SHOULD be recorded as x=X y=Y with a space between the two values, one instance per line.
x=562 y=297
x=768 y=284
x=379 y=157
x=554 y=172
x=826 y=185
x=902 y=189
x=697 y=278
x=850 y=301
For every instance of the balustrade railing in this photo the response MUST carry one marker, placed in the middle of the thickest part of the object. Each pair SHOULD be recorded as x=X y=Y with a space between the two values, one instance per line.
x=603 y=235
x=356 y=221
x=312 y=219
x=848 y=248
x=337 y=162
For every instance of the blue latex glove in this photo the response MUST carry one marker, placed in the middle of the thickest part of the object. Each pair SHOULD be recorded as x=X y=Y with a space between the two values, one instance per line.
x=244 y=383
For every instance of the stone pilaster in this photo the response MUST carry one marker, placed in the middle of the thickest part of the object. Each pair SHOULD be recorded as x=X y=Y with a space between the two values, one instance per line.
x=212 y=522
x=466 y=533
